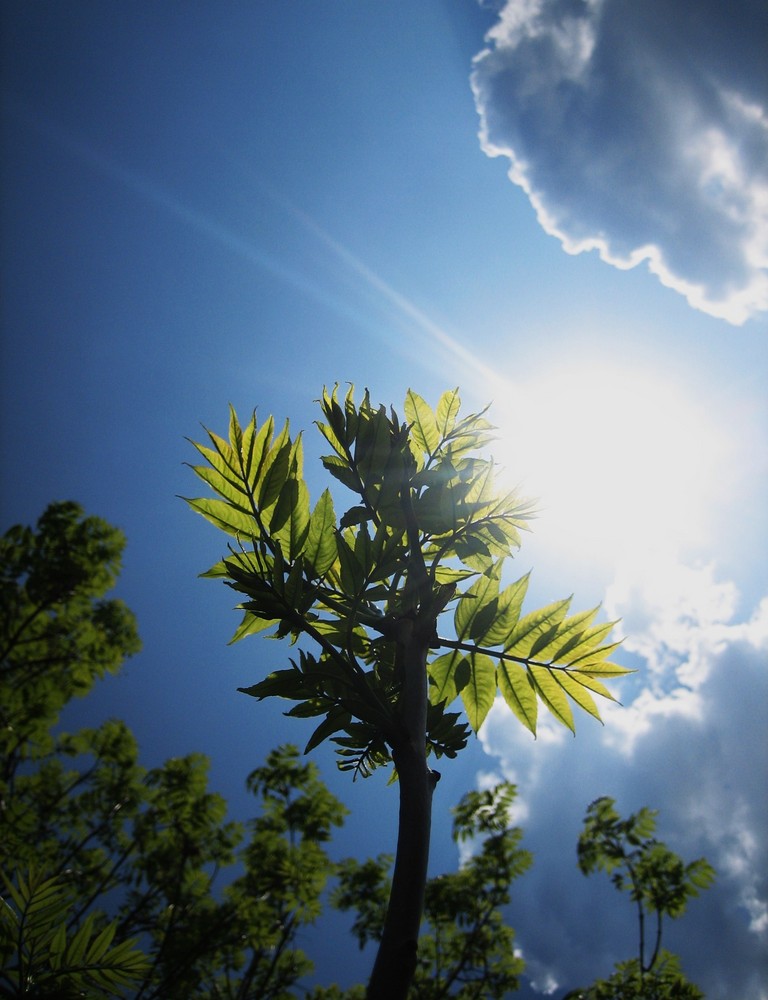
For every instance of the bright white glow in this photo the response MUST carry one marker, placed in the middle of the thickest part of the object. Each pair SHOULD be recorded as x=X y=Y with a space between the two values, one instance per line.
x=623 y=464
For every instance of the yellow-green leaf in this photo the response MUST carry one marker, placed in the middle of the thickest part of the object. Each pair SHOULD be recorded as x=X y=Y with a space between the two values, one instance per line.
x=508 y=607
x=447 y=410
x=553 y=696
x=442 y=674
x=224 y=487
x=480 y=595
x=568 y=633
x=275 y=469
x=419 y=414
x=250 y=625
x=222 y=459
x=320 y=549
x=598 y=667
x=256 y=443
x=590 y=682
x=582 y=642
x=578 y=693
x=524 y=635
x=583 y=655
x=290 y=518
x=517 y=692
x=479 y=692
x=225 y=516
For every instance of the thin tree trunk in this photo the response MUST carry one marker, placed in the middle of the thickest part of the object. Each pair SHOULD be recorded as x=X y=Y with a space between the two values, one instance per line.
x=395 y=962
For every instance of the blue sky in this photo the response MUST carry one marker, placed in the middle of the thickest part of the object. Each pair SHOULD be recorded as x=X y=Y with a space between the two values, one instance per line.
x=211 y=203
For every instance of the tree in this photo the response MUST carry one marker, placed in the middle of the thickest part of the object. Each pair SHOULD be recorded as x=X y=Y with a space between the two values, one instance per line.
x=107 y=867
x=426 y=530
x=658 y=882
x=468 y=952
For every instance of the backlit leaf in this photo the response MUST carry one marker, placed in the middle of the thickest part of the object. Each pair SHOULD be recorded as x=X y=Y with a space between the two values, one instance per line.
x=478 y=694
x=590 y=682
x=290 y=517
x=255 y=446
x=250 y=625
x=320 y=549
x=578 y=693
x=221 y=485
x=508 y=607
x=552 y=694
x=517 y=692
x=447 y=411
x=335 y=720
x=223 y=515
x=275 y=469
x=419 y=414
x=483 y=591
x=442 y=674
x=602 y=668
x=522 y=638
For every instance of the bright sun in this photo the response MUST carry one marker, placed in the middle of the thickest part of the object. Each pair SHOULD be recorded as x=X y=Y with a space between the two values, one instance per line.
x=622 y=463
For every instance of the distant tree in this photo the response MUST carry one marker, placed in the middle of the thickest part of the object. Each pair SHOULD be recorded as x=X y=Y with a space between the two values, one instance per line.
x=426 y=530
x=107 y=869
x=468 y=951
x=658 y=882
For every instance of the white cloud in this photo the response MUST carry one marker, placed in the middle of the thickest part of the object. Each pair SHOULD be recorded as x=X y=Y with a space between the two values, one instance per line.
x=690 y=742
x=639 y=130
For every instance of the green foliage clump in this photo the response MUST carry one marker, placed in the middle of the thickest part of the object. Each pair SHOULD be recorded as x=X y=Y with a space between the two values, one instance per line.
x=467 y=949
x=658 y=882
x=107 y=868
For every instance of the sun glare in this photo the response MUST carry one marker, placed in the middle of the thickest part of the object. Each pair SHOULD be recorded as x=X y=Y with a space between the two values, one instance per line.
x=621 y=463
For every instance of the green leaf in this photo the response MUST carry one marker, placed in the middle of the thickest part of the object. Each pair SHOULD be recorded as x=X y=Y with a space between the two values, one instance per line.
x=589 y=654
x=478 y=694
x=419 y=414
x=518 y=692
x=508 y=607
x=235 y=431
x=290 y=518
x=255 y=446
x=573 y=638
x=100 y=945
x=250 y=625
x=551 y=693
x=288 y=683
x=596 y=667
x=524 y=635
x=442 y=675
x=320 y=550
x=481 y=594
x=352 y=578
x=585 y=642
x=275 y=469
x=579 y=693
x=447 y=410
x=76 y=948
x=335 y=720
x=221 y=485
x=355 y=515
x=339 y=469
x=221 y=514
x=589 y=682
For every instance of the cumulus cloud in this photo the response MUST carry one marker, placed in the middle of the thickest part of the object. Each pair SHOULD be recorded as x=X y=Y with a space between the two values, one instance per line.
x=688 y=741
x=640 y=130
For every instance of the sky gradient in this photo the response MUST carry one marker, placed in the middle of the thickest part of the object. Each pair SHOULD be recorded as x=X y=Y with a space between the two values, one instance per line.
x=205 y=204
